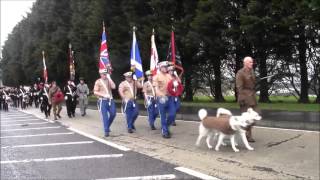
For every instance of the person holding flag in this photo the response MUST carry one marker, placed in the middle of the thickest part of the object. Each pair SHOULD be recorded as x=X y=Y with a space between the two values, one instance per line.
x=166 y=107
x=128 y=87
x=148 y=89
x=175 y=87
x=150 y=100
x=103 y=87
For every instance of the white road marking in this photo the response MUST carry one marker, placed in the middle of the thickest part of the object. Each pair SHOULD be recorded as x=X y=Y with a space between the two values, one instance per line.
x=49 y=144
x=64 y=158
x=23 y=120
x=25 y=129
x=283 y=129
x=18 y=116
x=100 y=140
x=36 y=135
x=196 y=173
x=6 y=125
x=153 y=177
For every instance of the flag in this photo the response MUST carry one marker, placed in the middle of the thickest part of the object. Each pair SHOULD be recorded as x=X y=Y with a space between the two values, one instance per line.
x=154 y=59
x=71 y=64
x=135 y=59
x=45 y=72
x=173 y=55
x=104 y=62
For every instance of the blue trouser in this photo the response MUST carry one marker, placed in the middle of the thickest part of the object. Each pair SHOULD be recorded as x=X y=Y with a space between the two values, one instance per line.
x=131 y=110
x=152 y=110
x=167 y=112
x=107 y=109
x=176 y=103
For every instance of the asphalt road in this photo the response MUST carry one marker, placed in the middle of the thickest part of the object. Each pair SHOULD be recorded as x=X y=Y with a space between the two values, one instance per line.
x=32 y=148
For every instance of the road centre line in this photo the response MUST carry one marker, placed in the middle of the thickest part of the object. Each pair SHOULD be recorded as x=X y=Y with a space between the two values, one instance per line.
x=36 y=135
x=153 y=177
x=64 y=158
x=49 y=144
x=23 y=120
x=196 y=173
x=25 y=129
x=123 y=148
x=6 y=125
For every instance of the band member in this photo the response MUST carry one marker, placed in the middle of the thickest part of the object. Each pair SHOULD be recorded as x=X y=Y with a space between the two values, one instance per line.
x=22 y=97
x=128 y=91
x=6 y=99
x=175 y=90
x=45 y=106
x=55 y=99
x=150 y=100
x=167 y=109
x=82 y=92
x=106 y=106
x=71 y=98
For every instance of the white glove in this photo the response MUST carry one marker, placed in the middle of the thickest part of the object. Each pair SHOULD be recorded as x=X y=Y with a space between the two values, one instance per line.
x=66 y=97
x=108 y=76
x=175 y=83
x=135 y=77
x=175 y=73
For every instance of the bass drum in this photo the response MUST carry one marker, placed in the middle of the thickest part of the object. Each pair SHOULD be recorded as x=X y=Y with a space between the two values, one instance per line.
x=175 y=91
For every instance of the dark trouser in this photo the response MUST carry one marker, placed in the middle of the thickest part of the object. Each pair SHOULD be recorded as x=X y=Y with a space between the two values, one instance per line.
x=46 y=108
x=71 y=106
x=244 y=108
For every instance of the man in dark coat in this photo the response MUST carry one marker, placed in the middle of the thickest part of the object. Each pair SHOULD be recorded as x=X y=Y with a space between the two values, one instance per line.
x=245 y=83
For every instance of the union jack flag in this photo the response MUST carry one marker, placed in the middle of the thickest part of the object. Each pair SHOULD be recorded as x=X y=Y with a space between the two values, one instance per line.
x=104 y=62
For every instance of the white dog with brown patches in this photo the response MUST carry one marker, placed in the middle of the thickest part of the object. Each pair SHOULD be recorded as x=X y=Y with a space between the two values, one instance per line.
x=226 y=124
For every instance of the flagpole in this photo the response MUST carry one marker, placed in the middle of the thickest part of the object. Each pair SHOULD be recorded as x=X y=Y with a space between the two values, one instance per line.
x=134 y=57
x=45 y=68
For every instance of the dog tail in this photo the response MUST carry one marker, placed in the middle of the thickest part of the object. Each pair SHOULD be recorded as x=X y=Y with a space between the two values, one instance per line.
x=223 y=111
x=202 y=114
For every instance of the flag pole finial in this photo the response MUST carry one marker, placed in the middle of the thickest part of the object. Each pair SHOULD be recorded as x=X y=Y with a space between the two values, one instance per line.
x=70 y=46
x=134 y=28
x=43 y=52
x=103 y=26
x=152 y=30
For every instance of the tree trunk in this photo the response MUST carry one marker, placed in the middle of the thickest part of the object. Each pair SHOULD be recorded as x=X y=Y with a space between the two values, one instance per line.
x=217 y=81
x=264 y=95
x=302 y=48
x=188 y=83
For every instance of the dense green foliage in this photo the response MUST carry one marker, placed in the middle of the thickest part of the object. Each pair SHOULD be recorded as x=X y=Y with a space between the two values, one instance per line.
x=212 y=37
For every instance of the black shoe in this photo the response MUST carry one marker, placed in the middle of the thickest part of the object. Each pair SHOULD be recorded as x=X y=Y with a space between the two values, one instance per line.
x=174 y=124
x=73 y=115
x=166 y=136
x=106 y=135
x=130 y=131
x=133 y=127
x=82 y=114
x=55 y=118
x=58 y=116
x=69 y=116
x=153 y=128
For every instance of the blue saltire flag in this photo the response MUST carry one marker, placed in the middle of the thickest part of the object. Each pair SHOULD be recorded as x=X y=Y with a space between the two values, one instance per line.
x=135 y=58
